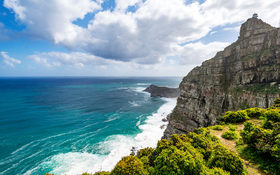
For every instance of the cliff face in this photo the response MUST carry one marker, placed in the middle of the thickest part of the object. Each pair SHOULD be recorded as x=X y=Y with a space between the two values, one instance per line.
x=244 y=74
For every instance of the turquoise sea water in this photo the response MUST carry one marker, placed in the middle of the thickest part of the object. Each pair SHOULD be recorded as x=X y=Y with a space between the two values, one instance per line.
x=74 y=125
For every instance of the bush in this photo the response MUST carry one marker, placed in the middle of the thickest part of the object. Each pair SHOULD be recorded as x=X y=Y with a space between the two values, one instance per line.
x=227 y=160
x=175 y=161
x=232 y=127
x=255 y=112
x=218 y=127
x=272 y=117
x=215 y=171
x=235 y=117
x=129 y=165
x=262 y=139
x=230 y=135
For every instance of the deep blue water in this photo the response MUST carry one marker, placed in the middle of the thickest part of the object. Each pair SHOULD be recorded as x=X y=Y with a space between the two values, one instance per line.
x=73 y=125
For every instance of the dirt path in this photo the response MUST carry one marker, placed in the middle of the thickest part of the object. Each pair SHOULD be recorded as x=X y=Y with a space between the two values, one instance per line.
x=231 y=144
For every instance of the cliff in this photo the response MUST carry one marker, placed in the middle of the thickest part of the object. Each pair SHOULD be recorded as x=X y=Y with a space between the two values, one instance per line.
x=157 y=91
x=244 y=74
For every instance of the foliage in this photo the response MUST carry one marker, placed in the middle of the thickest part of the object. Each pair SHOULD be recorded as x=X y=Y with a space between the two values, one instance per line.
x=272 y=117
x=264 y=161
x=232 y=127
x=215 y=171
x=218 y=127
x=129 y=165
x=227 y=160
x=235 y=117
x=230 y=135
x=255 y=112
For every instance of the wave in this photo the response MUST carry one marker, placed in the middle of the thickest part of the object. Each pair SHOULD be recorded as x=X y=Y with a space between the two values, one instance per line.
x=134 y=103
x=112 y=149
x=142 y=84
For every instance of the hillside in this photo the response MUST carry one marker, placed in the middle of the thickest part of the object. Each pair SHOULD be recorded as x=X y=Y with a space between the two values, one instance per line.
x=244 y=74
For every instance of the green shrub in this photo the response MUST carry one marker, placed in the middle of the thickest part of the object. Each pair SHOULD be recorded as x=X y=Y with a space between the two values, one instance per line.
x=227 y=160
x=255 y=112
x=175 y=161
x=215 y=171
x=262 y=139
x=230 y=135
x=232 y=127
x=235 y=117
x=218 y=127
x=272 y=116
x=129 y=165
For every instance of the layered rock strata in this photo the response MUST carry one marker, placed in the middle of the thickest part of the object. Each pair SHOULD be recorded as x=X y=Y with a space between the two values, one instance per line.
x=244 y=74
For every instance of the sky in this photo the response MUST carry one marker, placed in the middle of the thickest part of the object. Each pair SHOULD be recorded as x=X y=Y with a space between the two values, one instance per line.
x=120 y=37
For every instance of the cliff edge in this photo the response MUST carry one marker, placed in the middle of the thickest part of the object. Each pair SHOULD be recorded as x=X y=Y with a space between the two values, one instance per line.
x=244 y=74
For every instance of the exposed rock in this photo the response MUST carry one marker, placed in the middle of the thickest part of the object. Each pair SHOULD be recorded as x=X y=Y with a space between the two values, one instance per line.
x=157 y=91
x=239 y=76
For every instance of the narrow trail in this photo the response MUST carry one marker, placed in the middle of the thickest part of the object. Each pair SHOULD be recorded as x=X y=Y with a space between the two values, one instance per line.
x=231 y=144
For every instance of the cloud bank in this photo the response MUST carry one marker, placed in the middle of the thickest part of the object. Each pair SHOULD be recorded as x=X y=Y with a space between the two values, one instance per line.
x=143 y=32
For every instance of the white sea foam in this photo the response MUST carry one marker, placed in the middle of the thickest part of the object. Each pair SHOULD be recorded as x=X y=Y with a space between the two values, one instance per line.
x=142 y=84
x=134 y=103
x=112 y=149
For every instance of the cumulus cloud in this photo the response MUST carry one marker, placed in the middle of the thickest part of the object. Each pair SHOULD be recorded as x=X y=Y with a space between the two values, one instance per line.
x=53 y=19
x=156 y=29
x=9 y=60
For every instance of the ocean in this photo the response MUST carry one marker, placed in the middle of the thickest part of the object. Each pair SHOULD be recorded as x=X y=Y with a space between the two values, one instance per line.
x=75 y=125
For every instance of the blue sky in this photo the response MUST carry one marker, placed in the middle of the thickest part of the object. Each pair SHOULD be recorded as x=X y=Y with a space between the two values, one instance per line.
x=119 y=37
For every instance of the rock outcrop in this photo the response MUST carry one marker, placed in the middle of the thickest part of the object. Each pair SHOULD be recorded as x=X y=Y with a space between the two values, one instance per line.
x=157 y=91
x=244 y=74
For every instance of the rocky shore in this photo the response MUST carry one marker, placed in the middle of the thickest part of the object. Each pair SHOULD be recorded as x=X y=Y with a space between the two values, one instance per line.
x=157 y=91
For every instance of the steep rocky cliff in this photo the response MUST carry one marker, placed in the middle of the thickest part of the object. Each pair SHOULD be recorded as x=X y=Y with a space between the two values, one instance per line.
x=244 y=74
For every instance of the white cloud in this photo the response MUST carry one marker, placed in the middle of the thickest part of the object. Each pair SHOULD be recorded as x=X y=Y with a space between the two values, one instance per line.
x=122 y=5
x=53 y=19
x=196 y=53
x=146 y=36
x=9 y=60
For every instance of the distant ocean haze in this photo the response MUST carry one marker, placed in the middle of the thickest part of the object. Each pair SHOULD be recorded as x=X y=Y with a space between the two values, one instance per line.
x=74 y=125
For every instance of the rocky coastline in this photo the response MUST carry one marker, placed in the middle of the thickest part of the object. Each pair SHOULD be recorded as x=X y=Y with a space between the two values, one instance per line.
x=244 y=74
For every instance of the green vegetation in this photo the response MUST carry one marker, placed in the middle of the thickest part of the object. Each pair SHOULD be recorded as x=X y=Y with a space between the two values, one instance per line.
x=232 y=127
x=243 y=115
x=218 y=127
x=255 y=112
x=197 y=153
x=231 y=135
x=235 y=117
